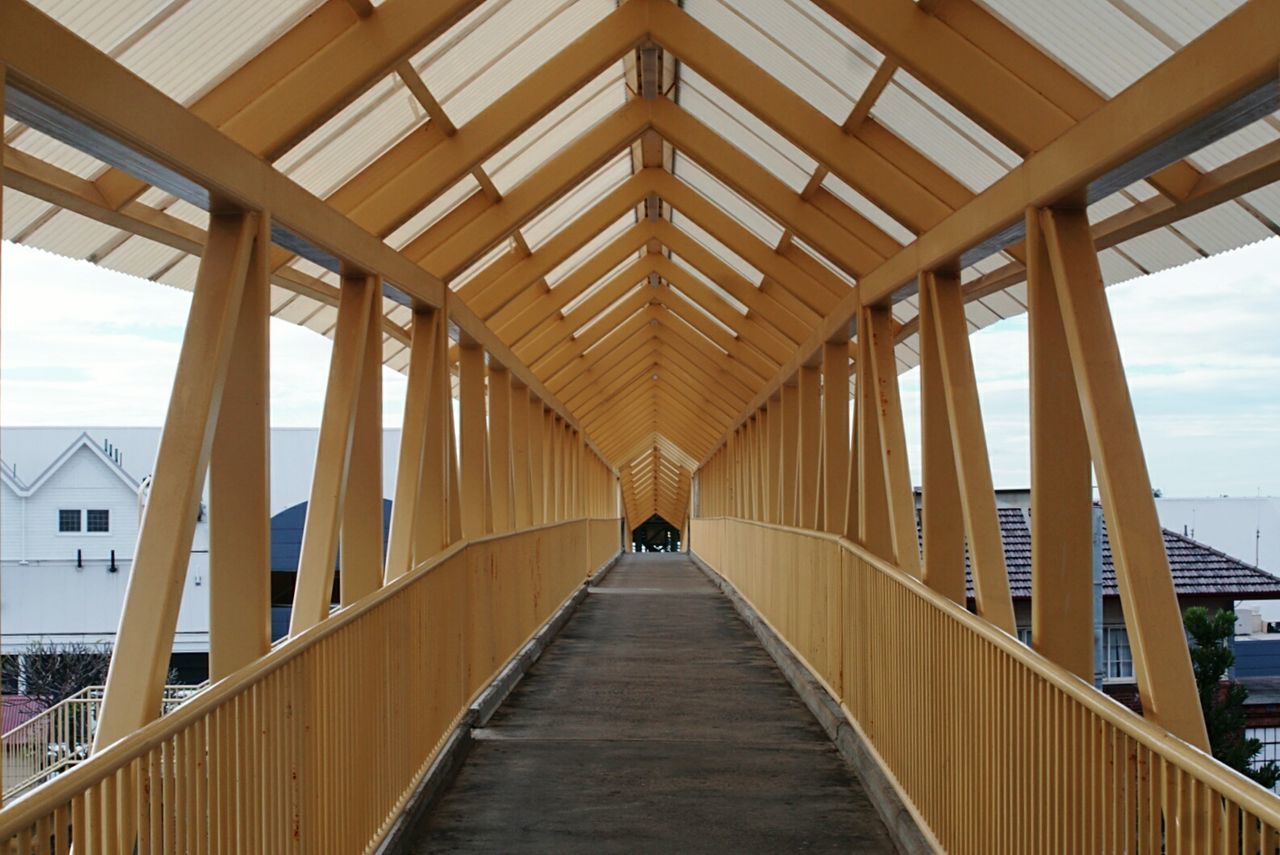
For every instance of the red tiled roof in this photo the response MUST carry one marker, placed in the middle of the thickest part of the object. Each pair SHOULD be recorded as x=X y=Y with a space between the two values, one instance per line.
x=1198 y=570
x=16 y=710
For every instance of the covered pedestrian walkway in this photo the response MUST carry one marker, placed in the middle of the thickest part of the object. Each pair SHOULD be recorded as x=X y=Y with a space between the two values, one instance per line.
x=651 y=249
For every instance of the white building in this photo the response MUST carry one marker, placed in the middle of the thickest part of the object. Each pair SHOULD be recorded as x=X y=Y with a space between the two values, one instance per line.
x=70 y=508
x=67 y=540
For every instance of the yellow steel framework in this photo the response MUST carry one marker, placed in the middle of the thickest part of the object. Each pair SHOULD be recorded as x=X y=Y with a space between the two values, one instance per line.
x=651 y=248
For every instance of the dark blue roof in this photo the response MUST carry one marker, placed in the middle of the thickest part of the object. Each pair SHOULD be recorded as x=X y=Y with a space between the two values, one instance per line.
x=286 y=535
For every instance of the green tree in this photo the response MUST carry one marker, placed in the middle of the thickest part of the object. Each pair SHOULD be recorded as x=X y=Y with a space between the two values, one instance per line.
x=1223 y=700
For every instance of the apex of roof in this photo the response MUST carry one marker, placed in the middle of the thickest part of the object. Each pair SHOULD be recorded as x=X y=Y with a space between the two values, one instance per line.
x=10 y=477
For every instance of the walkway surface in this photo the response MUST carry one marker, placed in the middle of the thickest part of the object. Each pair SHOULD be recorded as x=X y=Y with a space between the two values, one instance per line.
x=654 y=722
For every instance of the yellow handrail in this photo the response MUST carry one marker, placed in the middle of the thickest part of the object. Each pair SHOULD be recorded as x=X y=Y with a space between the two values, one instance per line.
x=317 y=745
x=994 y=747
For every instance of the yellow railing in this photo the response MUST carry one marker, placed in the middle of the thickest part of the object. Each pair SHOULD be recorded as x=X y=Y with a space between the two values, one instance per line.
x=994 y=747
x=317 y=746
x=55 y=739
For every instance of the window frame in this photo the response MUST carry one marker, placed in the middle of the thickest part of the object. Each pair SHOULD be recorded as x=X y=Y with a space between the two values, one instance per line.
x=79 y=512
x=1108 y=633
x=87 y=526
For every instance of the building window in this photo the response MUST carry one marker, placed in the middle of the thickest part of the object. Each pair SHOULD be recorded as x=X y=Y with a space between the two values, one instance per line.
x=1270 y=739
x=1024 y=635
x=69 y=520
x=97 y=520
x=1119 y=658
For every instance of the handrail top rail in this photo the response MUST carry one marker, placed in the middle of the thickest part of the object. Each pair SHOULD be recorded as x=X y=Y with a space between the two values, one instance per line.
x=21 y=814
x=1248 y=793
x=92 y=693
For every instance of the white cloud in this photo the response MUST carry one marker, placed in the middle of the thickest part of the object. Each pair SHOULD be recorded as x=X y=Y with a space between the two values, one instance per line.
x=86 y=346
x=1202 y=356
x=83 y=345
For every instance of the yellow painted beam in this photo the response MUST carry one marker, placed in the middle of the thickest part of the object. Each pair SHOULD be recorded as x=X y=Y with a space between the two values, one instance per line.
x=1152 y=614
x=319 y=550
x=239 y=484
x=140 y=661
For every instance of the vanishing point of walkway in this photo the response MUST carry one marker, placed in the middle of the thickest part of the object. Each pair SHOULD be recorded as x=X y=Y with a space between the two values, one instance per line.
x=654 y=722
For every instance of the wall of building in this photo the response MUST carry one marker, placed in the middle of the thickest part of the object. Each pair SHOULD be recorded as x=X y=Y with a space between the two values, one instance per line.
x=59 y=602
x=11 y=524
x=82 y=482
x=1257 y=657
x=65 y=587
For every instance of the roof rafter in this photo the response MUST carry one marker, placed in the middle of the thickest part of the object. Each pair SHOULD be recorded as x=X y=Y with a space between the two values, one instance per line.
x=576 y=162
x=1244 y=51
x=516 y=110
x=860 y=166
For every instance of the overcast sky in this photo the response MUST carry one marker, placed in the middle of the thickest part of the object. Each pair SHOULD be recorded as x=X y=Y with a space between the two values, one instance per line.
x=85 y=346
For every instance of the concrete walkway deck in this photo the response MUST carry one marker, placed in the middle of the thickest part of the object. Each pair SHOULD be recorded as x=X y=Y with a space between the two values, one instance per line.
x=655 y=722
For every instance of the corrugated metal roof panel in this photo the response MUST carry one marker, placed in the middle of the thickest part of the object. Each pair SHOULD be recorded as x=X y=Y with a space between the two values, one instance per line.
x=681 y=297
x=189 y=213
x=1141 y=190
x=399 y=314
x=807 y=58
x=575 y=115
x=140 y=257
x=390 y=348
x=1003 y=304
x=299 y=310
x=589 y=249
x=154 y=197
x=433 y=213
x=906 y=355
x=718 y=249
x=20 y=211
x=822 y=259
x=1222 y=228
x=1108 y=207
x=183 y=274
x=1267 y=202
x=1158 y=250
x=596 y=286
x=566 y=209
x=354 y=138
x=201 y=43
x=904 y=310
x=485 y=63
x=607 y=309
x=689 y=270
x=501 y=248
x=903 y=112
x=741 y=128
x=1181 y=20
x=280 y=296
x=103 y=25
x=399 y=362
x=729 y=201
x=1116 y=267
x=695 y=306
x=323 y=321
x=866 y=208
x=1093 y=38
x=67 y=233
x=979 y=315
x=315 y=271
x=962 y=124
